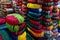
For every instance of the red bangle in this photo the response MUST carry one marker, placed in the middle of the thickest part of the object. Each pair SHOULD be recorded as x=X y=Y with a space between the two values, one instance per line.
x=55 y=0
x=1 y=37
x=12 y=20
x=34 y=22
x=2 y=21
x=21 y=26
x=47 y=8
x=32 y=1
x=47 y=0
x=48 y=20
x=37 y=31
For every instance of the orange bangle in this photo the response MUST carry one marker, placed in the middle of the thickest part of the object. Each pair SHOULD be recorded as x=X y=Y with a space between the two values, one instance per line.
x=36 y=34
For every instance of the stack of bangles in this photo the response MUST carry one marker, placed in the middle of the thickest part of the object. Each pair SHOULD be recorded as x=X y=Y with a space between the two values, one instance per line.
x=33 y=19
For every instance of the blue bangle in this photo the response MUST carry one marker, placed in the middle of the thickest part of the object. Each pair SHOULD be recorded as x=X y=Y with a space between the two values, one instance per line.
x=34 y=10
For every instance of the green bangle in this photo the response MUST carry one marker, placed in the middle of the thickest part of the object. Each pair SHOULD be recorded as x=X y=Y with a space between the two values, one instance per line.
x=29 y=37
x=32 y=17
x=13 y=28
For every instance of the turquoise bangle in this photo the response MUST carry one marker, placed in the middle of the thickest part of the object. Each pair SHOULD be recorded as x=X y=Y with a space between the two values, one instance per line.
x=35 y=14
x=5 y=35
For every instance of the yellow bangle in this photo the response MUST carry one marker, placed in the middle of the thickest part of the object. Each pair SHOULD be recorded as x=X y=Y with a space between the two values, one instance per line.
x=59 y=24
x=36 y=34
x=51 y=27
x=22 y=37
x=31 y=5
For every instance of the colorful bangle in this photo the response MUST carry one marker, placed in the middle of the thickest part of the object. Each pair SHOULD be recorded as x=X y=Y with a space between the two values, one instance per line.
x=35 y=6
x=36 y=34
x=36 y=30
x=19 y=17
